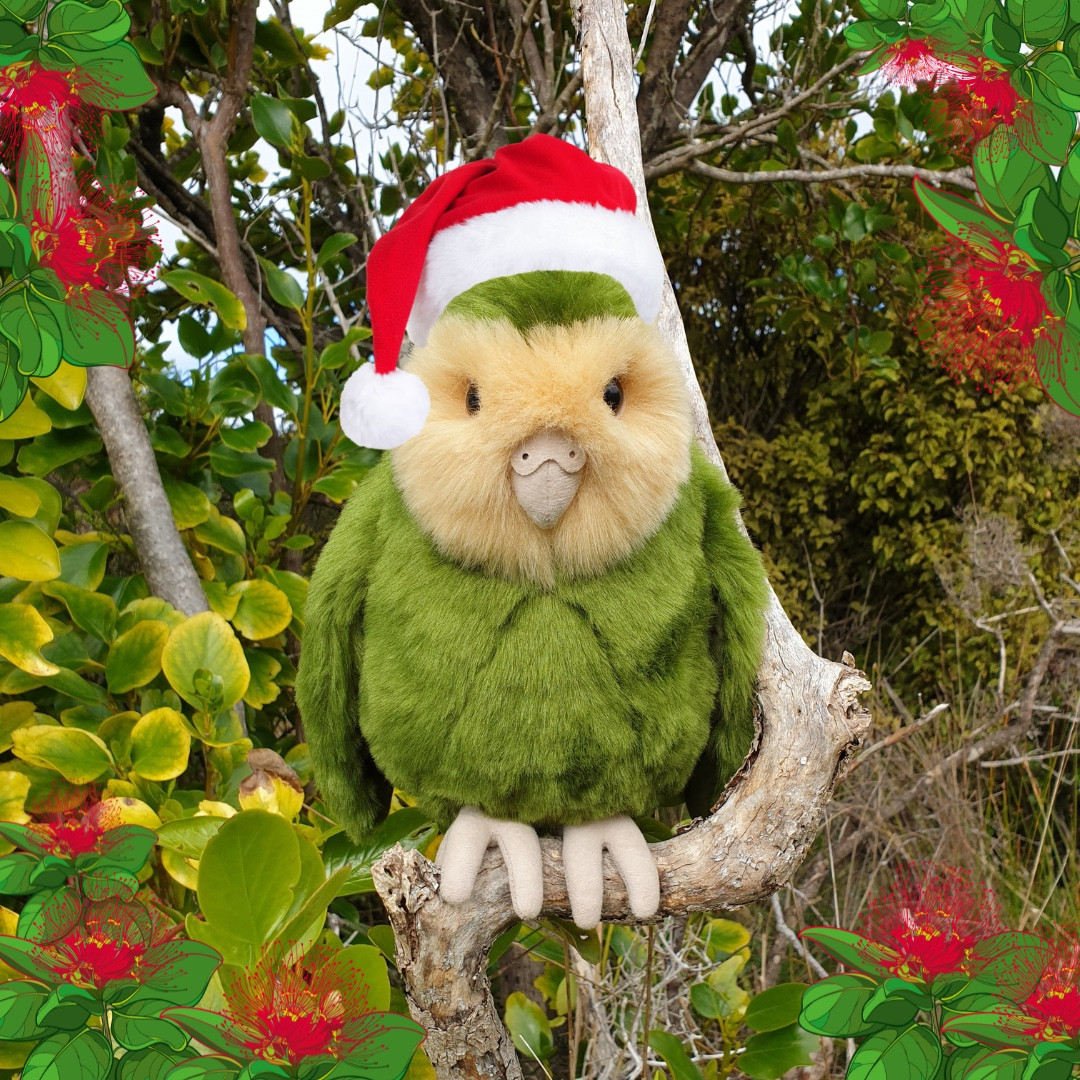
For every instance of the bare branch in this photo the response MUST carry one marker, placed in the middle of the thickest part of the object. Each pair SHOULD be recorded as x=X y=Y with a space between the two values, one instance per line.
x=960 y=177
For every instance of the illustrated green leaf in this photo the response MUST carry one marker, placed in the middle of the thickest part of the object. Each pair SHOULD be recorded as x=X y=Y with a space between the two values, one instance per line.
x=834 y=1006
x=73 y=24
x=112 y=78
x=1004 y=1027
x=862 y=954
x=20 y=1000
x=135 y=656
x=202 y=290
x=85 y=1054
x=914 y=1052
x=961 y=217
x=96 y=331
x=896 y=1003
x=1043 y=21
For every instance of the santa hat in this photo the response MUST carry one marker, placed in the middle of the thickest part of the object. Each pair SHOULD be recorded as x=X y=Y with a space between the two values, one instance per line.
x=540 y=204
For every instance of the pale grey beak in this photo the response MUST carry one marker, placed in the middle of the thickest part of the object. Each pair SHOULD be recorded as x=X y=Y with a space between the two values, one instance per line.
x=546 y=474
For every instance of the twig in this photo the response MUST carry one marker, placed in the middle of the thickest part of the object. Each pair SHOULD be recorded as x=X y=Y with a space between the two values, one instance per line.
x=782 y=926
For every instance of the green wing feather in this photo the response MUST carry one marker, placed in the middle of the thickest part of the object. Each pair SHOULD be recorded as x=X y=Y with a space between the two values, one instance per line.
x=741 y=594
x=328 y=676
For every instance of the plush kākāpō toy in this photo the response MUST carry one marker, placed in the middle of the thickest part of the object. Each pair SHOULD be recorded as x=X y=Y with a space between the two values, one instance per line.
x=537 y=612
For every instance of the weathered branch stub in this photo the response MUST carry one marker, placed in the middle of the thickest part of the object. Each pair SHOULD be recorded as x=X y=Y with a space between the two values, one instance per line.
x=810 y=721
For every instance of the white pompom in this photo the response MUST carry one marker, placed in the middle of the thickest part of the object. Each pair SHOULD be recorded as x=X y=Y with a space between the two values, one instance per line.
x=382 y=411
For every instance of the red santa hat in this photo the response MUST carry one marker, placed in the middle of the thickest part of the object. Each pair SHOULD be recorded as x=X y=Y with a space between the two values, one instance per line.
x=540 y=204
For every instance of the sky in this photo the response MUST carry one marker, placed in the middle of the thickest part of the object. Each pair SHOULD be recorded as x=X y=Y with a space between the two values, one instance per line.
x=343 y=80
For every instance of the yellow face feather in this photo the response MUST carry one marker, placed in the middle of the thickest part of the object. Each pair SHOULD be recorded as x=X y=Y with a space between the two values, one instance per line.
x=455 y=475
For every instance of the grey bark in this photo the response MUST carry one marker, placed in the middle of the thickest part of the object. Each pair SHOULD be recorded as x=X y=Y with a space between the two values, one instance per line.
x=164 y=559
x=810 y=723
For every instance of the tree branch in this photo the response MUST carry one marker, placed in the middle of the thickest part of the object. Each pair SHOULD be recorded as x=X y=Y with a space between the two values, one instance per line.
x=162 y=555
x=772 y=809
x=961 y=177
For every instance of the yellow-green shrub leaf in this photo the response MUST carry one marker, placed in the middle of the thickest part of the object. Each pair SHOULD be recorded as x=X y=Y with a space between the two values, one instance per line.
x=220 y=599
x=160 y=745
x=149 y=608
x=83 y=564
x=67 y=384
x=92 y=612
x=14 y=787
x=262 y=689
x=15 y=714
x=135 y=657
x=22 y=633
x=221 y=532
x=25 y=422
x=18 y=497
x=205 y=644
x=27 y=553
x=77 y=756
x=190 y=505
x=264 y=610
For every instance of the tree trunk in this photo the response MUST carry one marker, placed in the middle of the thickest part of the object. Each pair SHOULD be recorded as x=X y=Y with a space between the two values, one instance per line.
x=162 y=555
x=809 y=724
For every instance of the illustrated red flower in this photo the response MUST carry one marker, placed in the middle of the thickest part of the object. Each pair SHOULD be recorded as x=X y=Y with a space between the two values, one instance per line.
x=933 y=916
x=979 y=97
x=111 y=941
x=285 y=1011
x=77 y=831
x=1053 y=999
x=912 y=61
x=988 y=319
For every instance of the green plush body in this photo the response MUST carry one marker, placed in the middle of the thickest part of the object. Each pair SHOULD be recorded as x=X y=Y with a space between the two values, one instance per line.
x=611 y=695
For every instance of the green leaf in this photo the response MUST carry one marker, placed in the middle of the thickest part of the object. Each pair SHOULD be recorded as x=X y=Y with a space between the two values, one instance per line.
x=205 y=643
x=112 y=78
x=1006 y=1026
x=1041 y=229
x=16 y=872
x=97 y=331
x=993 y=1064
x=284 y=288
x=20 y=1000
x=248 y=437
x=398 y=828
x=862 y=954
x=1049 y=136
x=126 y=847
x=22 y=633
x=961 y=217
x=135 y=657
x=153 y=1063
x=189 y=836
x=84 y=1054
x=78 y=756
x=74 y=25
x=332 y=246
x=772 y=1053
x=272 y=120
x=209 y=1067
x=775 y=1008
x=202 y=290
x=179 y=977
x=68 y=1008
x=1055 y=76
x=1043 y=21
x=221 y=532
x=885 y=9
x=58 y=448
x=263 y=610
x=914 y=1053
x=190 y=505
x=92 y=612
x=160 y=744
x=834 y=1006
x=724 y=936
x=51 y=913
x=896 y=1003
x=529 y=1026
x=27 y=553
x=247 y=873
x=1005 y=172
x=274 y=390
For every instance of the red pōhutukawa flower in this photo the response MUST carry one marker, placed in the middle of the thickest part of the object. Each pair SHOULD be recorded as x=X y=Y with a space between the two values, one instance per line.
x=912 y=61
x=985 y=316
x=933 y=917
x=1053 y=1003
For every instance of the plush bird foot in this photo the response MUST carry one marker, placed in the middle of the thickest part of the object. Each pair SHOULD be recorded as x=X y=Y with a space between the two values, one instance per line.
x=464 y=846
x=583 y=864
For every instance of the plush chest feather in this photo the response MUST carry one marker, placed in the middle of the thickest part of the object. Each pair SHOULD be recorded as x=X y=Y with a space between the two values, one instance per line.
x=553 y=705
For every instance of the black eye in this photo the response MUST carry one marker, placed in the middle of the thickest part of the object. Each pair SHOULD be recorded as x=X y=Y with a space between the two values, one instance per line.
x=613 y=395
x=472 y=399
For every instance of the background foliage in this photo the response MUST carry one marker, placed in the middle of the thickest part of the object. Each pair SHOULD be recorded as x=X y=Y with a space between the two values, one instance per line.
x=923 y=525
